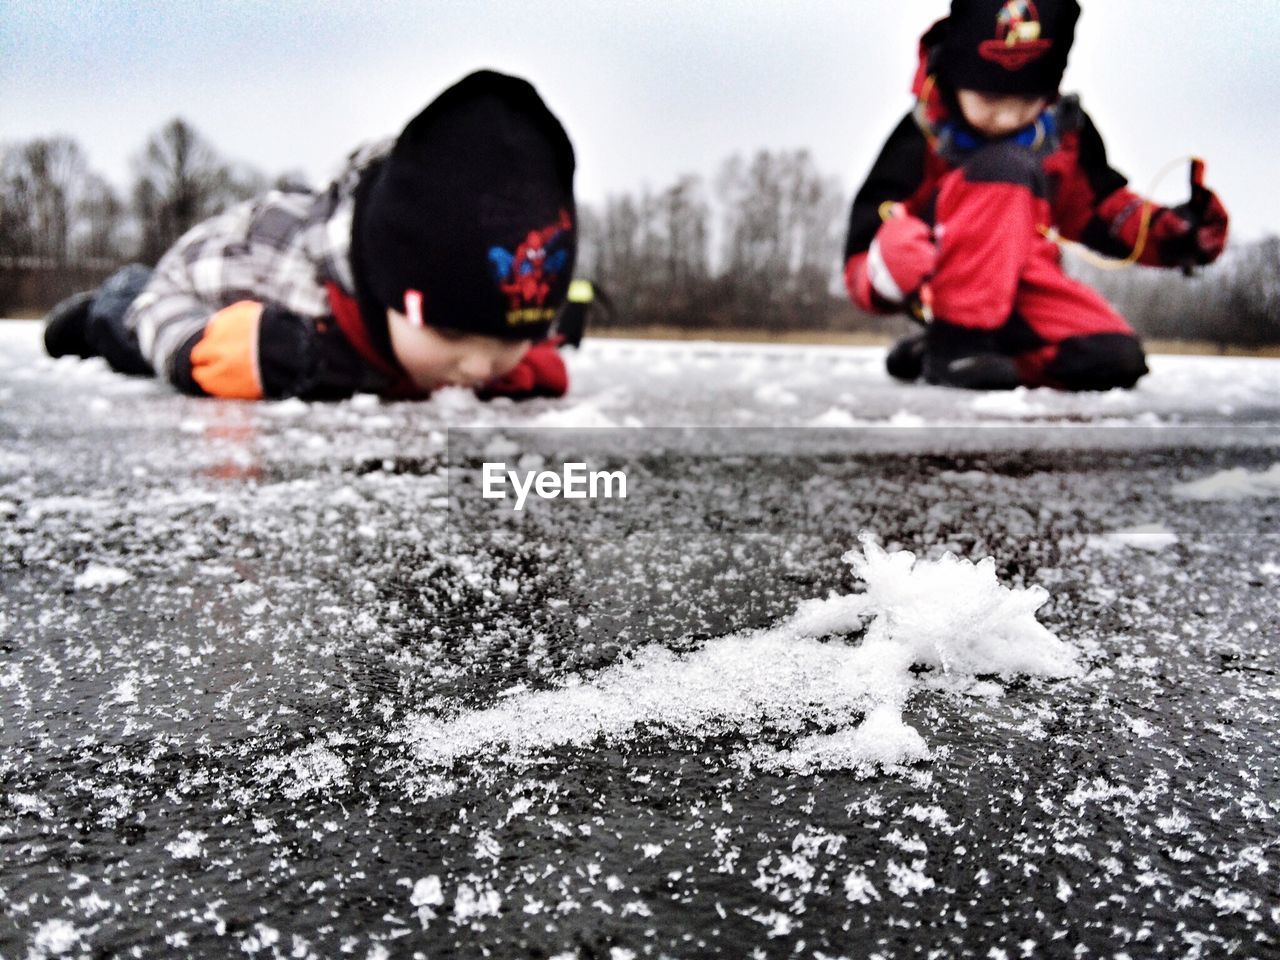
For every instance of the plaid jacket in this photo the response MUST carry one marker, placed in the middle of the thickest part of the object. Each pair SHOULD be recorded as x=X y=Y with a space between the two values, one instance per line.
x=280 y=248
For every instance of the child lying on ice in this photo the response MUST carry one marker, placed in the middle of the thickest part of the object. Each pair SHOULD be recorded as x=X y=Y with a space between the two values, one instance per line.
x=954 y=220
x=439 y=260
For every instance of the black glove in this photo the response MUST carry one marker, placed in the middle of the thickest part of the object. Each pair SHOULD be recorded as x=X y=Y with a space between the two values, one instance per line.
x=1195 y=232
x=311 y=359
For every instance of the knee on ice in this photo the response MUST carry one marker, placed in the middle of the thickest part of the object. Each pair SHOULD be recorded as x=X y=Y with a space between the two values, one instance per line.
x=1099 y=362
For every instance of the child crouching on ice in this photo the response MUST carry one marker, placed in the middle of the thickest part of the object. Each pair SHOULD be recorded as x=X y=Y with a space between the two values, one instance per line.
x=439 y=260
x=954 y=220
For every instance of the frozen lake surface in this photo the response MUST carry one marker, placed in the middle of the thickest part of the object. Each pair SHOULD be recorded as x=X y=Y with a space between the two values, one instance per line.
x=275 y=680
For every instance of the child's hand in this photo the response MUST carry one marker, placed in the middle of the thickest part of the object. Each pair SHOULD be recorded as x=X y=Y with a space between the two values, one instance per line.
x=1194 y=232
x=540 y=373
x=901 y=257
x=1208 y=221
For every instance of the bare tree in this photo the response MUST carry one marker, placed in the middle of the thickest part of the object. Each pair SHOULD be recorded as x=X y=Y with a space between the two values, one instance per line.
x=683 y=232
x=44 y=181
x=780 y=221
x=1236 y=301
x=100 y=216
x=619 y=260
x=58 y=223
x=15 y=220
x=180 y=181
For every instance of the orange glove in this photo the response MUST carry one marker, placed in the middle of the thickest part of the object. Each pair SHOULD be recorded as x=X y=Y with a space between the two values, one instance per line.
x=224 y=359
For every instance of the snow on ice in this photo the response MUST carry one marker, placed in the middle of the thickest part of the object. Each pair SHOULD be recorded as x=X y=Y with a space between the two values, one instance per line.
x=298 y=642
x=1237 y=484
x=53 y=938
x=948 y=614
x=311 y=769
x=98 y=576
x=1152 y=537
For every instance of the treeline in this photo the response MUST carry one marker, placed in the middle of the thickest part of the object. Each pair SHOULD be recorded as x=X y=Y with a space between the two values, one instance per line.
x=64 y=227
x=1234 y=302
x=758 y=247
x=761 y=247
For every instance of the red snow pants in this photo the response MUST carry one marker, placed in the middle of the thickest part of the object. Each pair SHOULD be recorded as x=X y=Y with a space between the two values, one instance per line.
x=999 y=288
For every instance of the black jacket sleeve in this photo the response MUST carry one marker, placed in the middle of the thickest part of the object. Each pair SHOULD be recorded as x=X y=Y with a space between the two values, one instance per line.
x=896 y=175
x=1106 y=229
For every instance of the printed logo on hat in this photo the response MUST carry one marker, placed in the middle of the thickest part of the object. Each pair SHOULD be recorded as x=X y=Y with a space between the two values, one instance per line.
x=527 y=274
x=1018 y=39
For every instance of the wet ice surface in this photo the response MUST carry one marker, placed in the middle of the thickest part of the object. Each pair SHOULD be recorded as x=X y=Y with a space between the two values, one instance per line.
x=263 y=690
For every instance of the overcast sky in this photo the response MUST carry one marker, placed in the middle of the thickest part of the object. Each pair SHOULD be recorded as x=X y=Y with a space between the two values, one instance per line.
x=648 y=90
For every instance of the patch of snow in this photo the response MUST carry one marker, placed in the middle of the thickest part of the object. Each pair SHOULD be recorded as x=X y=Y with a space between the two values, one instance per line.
x=427 y=892
x=1237 y=484
x=774 y=395
x=30 y=803
x=54 y=938
x=188 y=846
x=1141 y=728
x=126 y=691
x=1010 y=403
x=262 y=938
x=858 y=889
x=906 y=419
x=312 y=769
x=1151 y=537
x=500 y=447
x=285 y=409
x=948 y=614
x=837 y=419
x=98 y=576
x=580 y=416
x=883 y=738
x=471 y=903
x=45 y=506
x=426 y=896
x=907 y=880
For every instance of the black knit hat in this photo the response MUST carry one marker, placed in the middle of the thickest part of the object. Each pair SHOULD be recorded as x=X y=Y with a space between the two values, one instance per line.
x=1007 y=46
x=470 y=223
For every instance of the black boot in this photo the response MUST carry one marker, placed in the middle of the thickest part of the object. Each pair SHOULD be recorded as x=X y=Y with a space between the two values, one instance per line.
x=92 y=324
x=957 y=356
x=981 y=371
x=905 y=361
x=66 y=328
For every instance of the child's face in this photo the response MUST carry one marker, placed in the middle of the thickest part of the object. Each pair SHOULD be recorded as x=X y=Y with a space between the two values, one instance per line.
x=998 y=115
x=439 y=358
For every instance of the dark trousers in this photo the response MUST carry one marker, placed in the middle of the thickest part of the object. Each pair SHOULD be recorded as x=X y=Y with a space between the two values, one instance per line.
x=106 y=332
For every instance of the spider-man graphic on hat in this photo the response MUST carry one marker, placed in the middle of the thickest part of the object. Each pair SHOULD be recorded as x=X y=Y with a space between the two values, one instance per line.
x=526 y=275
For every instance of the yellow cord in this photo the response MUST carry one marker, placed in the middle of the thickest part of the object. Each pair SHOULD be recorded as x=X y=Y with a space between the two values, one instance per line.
x=1144 y=228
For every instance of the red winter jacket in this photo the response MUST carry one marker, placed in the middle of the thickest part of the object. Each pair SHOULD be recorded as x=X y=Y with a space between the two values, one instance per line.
x=1090 y=202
